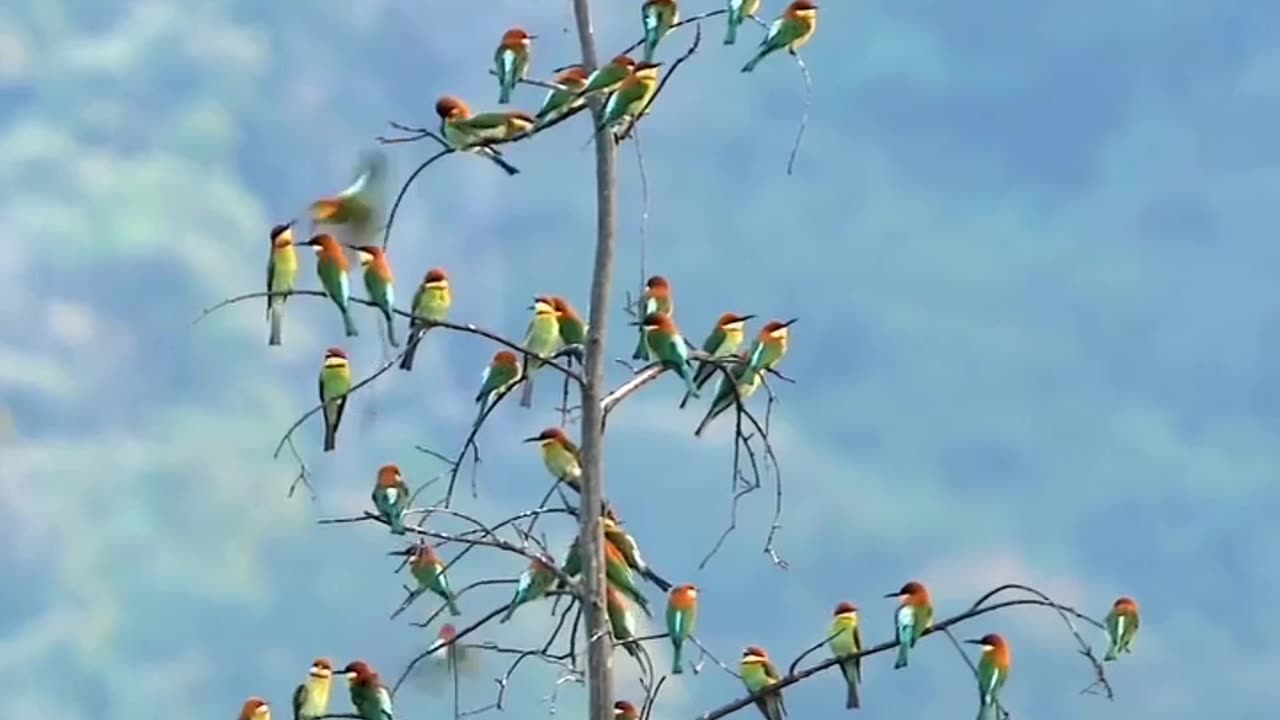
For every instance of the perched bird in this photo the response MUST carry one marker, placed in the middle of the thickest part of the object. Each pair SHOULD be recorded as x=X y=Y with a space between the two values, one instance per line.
x=993 y=670
x=623 y=710
x=629 y=101
x=668 y=347
x=656 y=298
x=511 y=60
x=617 y=572
x=361 y=206
x=682 y=615
x=622 y=621
x=758 y=673
x=282 y=272
x=791 y=31
x=724 y=340
x=503 y=372
x=465 y=131
x=255 y=708
x=560 y=455
x=380 y=283
x=331 y=267
x=573 y=329
x=428 y=570
x=913 y=618
x=391 y=497
x=542 y=338
x=622 y=540
x=744 y=384
x=846 y=639
x=566 y=98
x=369 y=696
x=1122 y=627
x=431 y=302
x=739 y=10
x=608 y=77
x=659 y=17
x=534 y=583
x=311 y=698
x=770 y=346
x=335 y=383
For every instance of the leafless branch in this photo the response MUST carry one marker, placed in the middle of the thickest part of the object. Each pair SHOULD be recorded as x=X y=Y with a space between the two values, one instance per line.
x=666 y=77
x=804 y=115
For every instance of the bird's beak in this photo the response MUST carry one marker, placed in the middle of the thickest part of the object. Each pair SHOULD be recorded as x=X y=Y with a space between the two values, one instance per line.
x=790 y=322
x=533 y=37
x=400 y=553
x=535 y=438
x=974 y=642
x=894 y=595
x=744 y=318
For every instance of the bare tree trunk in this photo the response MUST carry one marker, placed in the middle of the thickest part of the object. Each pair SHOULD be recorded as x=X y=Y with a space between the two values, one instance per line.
x=599 y=649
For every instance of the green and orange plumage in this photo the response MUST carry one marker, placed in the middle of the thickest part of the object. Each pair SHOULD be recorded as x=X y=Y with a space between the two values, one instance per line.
x=771 y=346
x=379 y=282
x=758 y=675
x=464 y=130
x=1122 y=627
x=913 y=617
x=565 y=98
x=659 y=17
x=511 y=61
x=682 y=616
x=791 y=31
x=739 y=10
x=369 y=696
x=534 y=583
x=331 y=268
x=360 y=208
x=667 y=346
x=311 y=697
x=428 y=570
x=632 y=97
x=542 y=338
x=255 y=708
x=617 y=536
x=608 y=77
x=573 y=329
x=431 y=303
x=503 y=372
x=656 y=298
x=391 y=497
x=282 y=273
x=722 y=342
x=846 y=641
x=993 y=671
x=561 y=456
x=335 y=383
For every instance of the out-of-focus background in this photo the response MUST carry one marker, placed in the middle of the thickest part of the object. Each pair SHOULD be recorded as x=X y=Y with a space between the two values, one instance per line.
x=1031 y=246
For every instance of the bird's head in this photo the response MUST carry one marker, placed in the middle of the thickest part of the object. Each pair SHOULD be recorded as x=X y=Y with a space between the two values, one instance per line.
x=335 y=356
x=989 y=642
x=684 y=596
x=657 y=321
x=623 y=61
x=505 y=359
x=255 y=708
x=731 y=321
x=845 y=608
x=802 y=8
x=551 y=434
x=574 y=76
x=623 y=710
x=777 y=329
x=323 y=241
x=646 y=69
x=517 y=37
x=389 y=475
x=754 y=654
x=282 y=235
x=356 y=668
x=321 y=668
x=657 y=285
x=542 y=305
x=368 y=253
x=436 y=277
x=1124 y=603
x=451 y=108
x=913 y=593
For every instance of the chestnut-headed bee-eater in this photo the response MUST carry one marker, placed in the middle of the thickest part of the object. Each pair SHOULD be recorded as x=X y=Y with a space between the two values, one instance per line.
x=739 y=10
x=282 y=272
x=573 y=329
x=724 y=340
x=623 y=710
x=311 y=697
x=668 y=347
x=534 y=583
x=511 y=61
x=1122 y=627
x=561 y=456
x=609 y=76
x=622 y=621
x=770 y=346
x=993 y=670
x=913 y=618
x=565 y=98
x=255 y=708
x=465 y=131
x=659 y=17
x=682 y=616
x=542 y=338
x=758 y=674
x=369 y=696
x=380 y=283
x=504 y=371
x=335 y=383
x=622 y=540
x=431 y=302
x=428 y=570
x=359 y=207
x=846 y=639
x=743 y=385
x=632 y=95
x=656 y=298
x=331 y=267
x=391 y=497
x=791 y=30
x=616 y=571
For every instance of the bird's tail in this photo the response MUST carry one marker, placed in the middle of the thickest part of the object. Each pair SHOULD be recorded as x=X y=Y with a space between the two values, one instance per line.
x=391 y=328
x=1111 y=653
x=504 y=93
x=330 y=436
x=731 y=33
x=904 y=648
x=987 y=710
x=751 y=64
x=850 y=670
x=526 y=392
x=415 y=337
x=706 y=420
x=687 y=376
x=685 y=400
x=275 y=314
x=397 y=523
x=511 y=610
x=453 y=605
x=677 y=662
x=658 y=580
x=642 y=350
x=349 y=322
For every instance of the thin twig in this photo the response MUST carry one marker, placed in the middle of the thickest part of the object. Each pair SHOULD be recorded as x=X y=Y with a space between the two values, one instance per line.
x=804 y=116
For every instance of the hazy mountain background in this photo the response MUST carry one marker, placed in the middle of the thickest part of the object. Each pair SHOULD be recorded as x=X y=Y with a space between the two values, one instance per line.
x=1031 y=246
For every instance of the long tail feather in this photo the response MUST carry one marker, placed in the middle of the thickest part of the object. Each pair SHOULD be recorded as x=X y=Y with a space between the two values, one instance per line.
x=349 y=323
x=277 y=315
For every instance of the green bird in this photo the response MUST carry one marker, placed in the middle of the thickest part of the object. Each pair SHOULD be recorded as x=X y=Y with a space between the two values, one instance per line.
x=431 y=303
x=993 y=671
x=380 y=283
x=791 y=30
x=1122 y=627
x=846 y=640
x=428 y=570
x=770 y=346
x=369 y=696
x=723 y=341
x=534 y=583
x=913 y=617
x=622 y=621
x=739 y=10
x=282 y=272
x=743 y=384
x=311 y=697
x=502 y=372
x=630 y=549
x=608 y=77
x=335 y=383
x=361 y=207
x=616 y=571
x=758 y=674
x=542 y=338
x=682 y=616
x=656 y=298
x=659 y=17
x=668 y=347
x=391 y=497
x=632 y=97
x=573 y=329
x=331 y=267
x=565 y=97
x=511 y=61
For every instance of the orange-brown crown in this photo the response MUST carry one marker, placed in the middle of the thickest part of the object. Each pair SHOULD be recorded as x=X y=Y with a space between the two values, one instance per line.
x=623 y=60
x=435 y=275
x=335 y=352
x=994 y=640
x=324 y=240
x=388 y=475
x=448 y=632
x=552 y=433
x=280 y=235
x=424 y=554
x=731 y=318
x=658 y=321
x=684 y=596
x=449 y=107
x=774 y=326
x=563 y=307
x=505 y=358
x=657 y=281
x=754 y=651
x=625 y=709
x=1124 y=602
x=323 y=664
x=915 y=592
x=845 y=607
x=251 y=707
x=573 y=76
x=515 y=37
x=802 y=6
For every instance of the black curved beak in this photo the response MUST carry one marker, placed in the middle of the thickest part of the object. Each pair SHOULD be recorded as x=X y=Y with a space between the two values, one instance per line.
x=974 y=642
x=744 y=318
x=535 y=438
x=790 y=322
x=894 y=595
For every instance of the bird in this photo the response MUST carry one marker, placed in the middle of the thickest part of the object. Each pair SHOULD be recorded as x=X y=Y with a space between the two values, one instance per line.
x=573 y=329
x=335 y=383
x=758 y=674
x=656 y=298
x=622 y=621
x=311 y=697
x=464 y=131
x=659 y=16
x=502 y=373
x=623 y=710
x=993 y=671
x=282 y=272
x=846 y=639
x=428 y=570
x=740 y=385
x=722 y=342
x=739 y=10
x=255 y=708
x=632 y=97
x=668 y=346
x=431 y=303
x=391 y=497
x=566 y=97
x=616 y=571
x=331 y=267
x=682 y=616
x=608 y=77
x=625 y=544
x=913 y=618
x=533 y=584
x=512 y=61
x=542 y=338
x=561 y=456
x=770 y=346
x=1122 y=627
x=369 y=696
x=791 y=30
x=380 y=284
x=360 y=207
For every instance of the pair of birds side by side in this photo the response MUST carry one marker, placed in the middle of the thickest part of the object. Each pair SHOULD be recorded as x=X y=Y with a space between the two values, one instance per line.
x=369 y=696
